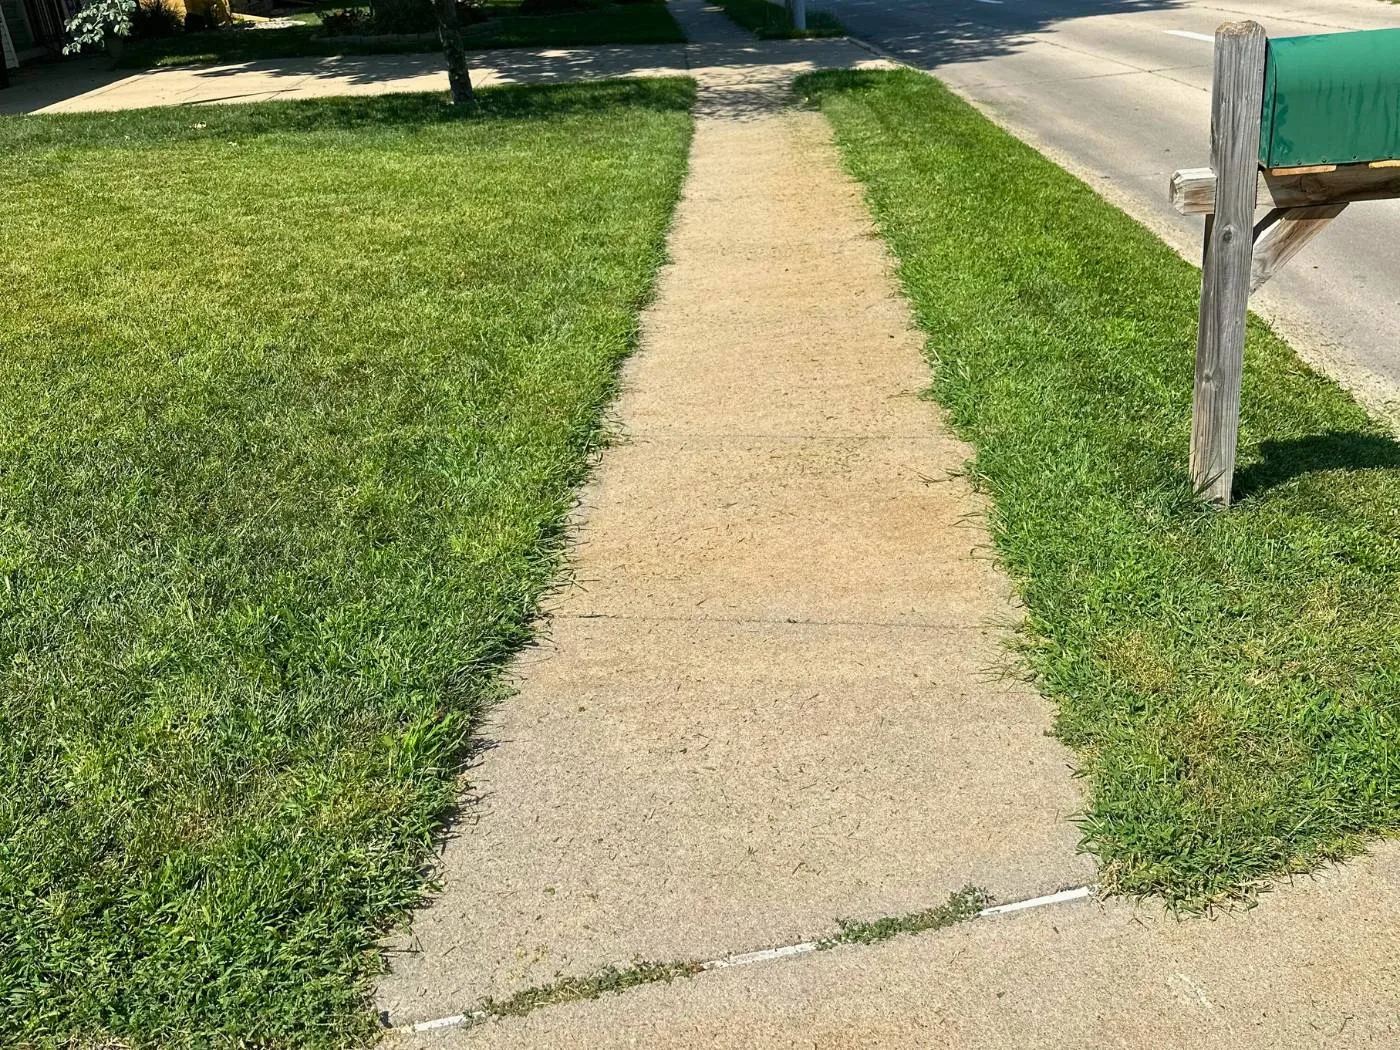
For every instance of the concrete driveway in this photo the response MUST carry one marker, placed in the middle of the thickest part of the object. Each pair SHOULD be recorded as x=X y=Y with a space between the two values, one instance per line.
x=1119 y=92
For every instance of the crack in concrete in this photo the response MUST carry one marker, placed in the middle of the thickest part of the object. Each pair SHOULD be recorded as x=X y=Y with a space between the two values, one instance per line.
x=965 y=905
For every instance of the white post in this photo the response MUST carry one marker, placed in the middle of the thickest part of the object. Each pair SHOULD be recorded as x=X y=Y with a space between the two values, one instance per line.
x=799 y=14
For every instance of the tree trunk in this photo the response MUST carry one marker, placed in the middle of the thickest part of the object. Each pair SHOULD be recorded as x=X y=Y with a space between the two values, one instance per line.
x=459 y=77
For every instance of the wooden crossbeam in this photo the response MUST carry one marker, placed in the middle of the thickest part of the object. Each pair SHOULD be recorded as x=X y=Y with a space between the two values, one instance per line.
x=1192 y=190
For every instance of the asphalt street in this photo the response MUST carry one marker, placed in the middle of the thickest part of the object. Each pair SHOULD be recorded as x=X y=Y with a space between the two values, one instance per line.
x=1118 y=91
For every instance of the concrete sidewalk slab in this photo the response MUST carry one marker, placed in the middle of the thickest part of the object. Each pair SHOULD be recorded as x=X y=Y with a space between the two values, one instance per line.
x=770 y=391
x=313 y=77
x=817 y=530
x=666 y=790
x=733 y=65
x=36 y=86
x=774 y=695
x=1316 y=965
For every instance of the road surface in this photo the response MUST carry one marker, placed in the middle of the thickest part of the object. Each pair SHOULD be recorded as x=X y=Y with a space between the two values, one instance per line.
x=1118 y=91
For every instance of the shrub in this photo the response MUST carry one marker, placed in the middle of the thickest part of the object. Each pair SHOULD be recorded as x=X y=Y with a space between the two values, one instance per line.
x=99 y=22
x=550 y=7
x=415 y=16
x=404 y=16
x=156 y=18
x=348 y=22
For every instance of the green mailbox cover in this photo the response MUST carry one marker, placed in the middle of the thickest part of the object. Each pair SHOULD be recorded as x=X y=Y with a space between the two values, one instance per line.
x=1331 y=99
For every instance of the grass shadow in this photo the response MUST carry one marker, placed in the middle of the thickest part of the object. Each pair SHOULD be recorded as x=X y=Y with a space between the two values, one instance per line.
x=178 y=124
x=1284 y=460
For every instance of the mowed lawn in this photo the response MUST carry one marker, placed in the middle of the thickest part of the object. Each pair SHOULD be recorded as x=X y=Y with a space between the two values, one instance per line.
x=296 y=395
x=1230 y=679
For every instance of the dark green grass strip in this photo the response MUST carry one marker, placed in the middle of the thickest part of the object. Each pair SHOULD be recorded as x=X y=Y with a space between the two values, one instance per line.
x=295 y=399
x=1231 y=680
x=628 y=23
x=770 y=21
x=238 y=44
x=591 y=25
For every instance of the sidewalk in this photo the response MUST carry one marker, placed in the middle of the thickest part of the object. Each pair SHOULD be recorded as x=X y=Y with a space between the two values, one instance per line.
x=1316 y=965
x=769 y=700
x=302 y=78
x=88 y=86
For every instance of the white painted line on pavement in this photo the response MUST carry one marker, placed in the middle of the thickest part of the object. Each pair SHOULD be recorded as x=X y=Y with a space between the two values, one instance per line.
x=1078 y=893
x=747 y=958
x=997 y=2
x=1189 y=35
x=782 y=952
x=447 y=1022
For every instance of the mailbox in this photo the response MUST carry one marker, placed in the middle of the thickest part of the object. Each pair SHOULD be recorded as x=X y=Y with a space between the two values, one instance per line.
x=1328 y=133
x=1331 y=99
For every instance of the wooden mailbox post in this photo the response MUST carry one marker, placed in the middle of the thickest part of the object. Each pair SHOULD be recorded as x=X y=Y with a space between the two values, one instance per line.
x=1300 y=126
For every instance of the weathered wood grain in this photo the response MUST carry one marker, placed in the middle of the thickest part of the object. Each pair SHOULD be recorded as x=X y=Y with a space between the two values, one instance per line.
x=1236 y=100
x=1281 y=234
x=1192 y=190
x=1302 y=169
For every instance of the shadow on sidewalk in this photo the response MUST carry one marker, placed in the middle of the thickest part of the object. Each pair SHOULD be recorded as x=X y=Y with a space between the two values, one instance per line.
x=746 y=79
x=931 y=33
x=324 y=76
x=33 y=87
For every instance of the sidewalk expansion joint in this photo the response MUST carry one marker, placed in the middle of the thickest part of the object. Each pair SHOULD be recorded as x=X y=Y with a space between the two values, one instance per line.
x=966 y=905
x=680 y=436
x=791 y=621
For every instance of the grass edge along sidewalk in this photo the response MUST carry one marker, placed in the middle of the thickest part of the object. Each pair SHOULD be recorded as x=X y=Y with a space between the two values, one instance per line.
x=1231 y=681
x=298 y=395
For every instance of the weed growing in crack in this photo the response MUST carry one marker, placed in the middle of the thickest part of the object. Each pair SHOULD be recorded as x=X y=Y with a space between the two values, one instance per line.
x=572 y=989
x=959 y=907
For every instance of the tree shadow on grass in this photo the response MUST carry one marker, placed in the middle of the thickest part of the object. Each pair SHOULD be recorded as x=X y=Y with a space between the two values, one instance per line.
x=343 y=113
x=1288 y=459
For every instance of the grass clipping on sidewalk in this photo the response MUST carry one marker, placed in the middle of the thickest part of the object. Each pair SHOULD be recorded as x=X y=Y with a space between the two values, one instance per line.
x=1231 y=680
x=296 y=395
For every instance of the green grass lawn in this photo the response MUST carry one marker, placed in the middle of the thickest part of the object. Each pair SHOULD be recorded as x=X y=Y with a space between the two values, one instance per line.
x=296 y=395
x=770 y=21
x=240 y=44
x=1230 y=680
x=595 y=23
